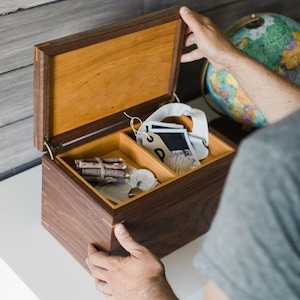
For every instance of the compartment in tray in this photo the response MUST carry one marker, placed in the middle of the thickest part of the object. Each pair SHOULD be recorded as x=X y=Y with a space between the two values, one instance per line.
x=138 y=160
x=218 y=148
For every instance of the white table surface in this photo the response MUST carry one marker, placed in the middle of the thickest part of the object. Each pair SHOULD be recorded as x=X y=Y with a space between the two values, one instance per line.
x=47 y=269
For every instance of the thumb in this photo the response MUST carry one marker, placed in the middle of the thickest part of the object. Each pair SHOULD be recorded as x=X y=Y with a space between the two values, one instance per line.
x=126 y=240
x=195 y=22
x=187 y=15
x=184 y=11
x=92 y=249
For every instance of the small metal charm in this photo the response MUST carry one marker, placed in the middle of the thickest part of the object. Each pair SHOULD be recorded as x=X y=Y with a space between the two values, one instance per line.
x=135 y=190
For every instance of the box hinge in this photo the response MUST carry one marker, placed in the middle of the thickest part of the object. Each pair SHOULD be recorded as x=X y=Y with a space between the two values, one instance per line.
x=52 y=149
x=173 y=99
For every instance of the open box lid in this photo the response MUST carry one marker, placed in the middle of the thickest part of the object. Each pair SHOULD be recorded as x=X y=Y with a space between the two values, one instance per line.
x=84 y=82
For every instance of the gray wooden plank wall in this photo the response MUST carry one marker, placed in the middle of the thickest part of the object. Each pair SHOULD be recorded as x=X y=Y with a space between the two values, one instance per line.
x=21 y=30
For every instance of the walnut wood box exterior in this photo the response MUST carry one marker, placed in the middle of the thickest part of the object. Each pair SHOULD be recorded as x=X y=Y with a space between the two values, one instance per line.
x=83 y=84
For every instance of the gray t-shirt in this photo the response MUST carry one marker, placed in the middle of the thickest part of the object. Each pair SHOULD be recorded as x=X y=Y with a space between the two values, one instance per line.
x=252 y=250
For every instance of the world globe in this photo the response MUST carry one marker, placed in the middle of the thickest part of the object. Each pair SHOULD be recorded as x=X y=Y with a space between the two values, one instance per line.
x=270 y=38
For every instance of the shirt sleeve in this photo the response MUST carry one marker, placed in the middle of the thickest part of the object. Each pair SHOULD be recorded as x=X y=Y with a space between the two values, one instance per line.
x=252 y=250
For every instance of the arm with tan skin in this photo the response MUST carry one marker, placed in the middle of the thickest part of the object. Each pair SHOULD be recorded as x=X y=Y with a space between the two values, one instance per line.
x=274 y=96
x=141 y=275
x=212 y=292
x=138 y=276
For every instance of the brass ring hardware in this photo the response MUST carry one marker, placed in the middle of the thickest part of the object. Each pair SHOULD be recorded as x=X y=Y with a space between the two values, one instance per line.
x=49 y=150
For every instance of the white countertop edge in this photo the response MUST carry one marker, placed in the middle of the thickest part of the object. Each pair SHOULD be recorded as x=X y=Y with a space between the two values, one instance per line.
x=46 y=268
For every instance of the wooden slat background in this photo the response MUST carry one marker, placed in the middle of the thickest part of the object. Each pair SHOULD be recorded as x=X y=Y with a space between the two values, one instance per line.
x=9 y=6
x=21 y=30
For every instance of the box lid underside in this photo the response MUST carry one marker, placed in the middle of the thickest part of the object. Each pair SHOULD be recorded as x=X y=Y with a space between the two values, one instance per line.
x=81 y=80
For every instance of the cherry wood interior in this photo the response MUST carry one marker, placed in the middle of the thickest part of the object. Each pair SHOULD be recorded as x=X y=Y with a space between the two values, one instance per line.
x=120 y=144
x=93 y=76
x=96 y=81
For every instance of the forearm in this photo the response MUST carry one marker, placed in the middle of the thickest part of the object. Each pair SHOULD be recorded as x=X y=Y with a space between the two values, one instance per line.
x=273 y=95
x=160 y=290
x=140 y=275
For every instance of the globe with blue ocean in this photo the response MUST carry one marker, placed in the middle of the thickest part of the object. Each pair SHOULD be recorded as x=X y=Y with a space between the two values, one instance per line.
x=270 y=38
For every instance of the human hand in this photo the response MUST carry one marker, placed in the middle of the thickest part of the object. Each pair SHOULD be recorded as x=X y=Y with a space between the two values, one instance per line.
x=211 y=42
x=137 y=276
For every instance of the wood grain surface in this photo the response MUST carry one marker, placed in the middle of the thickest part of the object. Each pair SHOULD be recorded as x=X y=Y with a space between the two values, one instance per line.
x=21 y=30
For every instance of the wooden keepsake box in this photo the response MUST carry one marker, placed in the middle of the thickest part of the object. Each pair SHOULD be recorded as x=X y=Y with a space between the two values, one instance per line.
x=83 y=84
